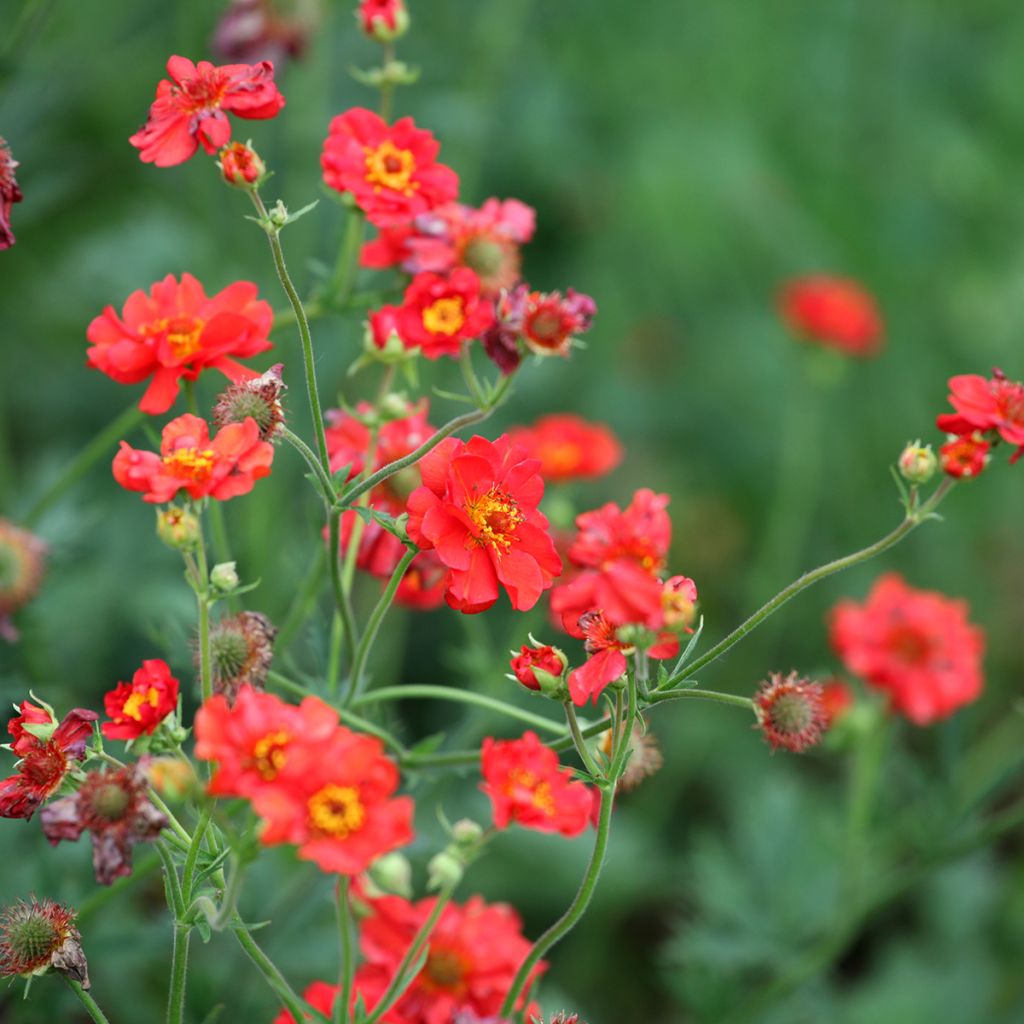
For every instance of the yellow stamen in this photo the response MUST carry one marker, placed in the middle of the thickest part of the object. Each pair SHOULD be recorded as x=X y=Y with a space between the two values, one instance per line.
x=336 y=811
x=387 y=166
x=191 y=463
x=496 y=515
x=268 y=754
x=445 y=316
x=133 y=705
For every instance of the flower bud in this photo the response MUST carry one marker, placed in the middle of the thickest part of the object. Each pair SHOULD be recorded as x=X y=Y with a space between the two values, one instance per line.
x=678 y=602
x=444 y=870
x=241 y=166
x=177 y=527
x=466 y=832
x=224 y=577
x=172 y=777
x=917 y=463
x=392 y=873
x=540 y=667
x=383 y=20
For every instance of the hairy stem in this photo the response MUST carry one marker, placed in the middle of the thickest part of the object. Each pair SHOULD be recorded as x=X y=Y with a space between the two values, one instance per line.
x=87 y=1001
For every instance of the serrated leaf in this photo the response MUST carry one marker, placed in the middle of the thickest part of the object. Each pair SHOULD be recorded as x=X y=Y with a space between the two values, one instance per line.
x=293 y=217
x=428 y=744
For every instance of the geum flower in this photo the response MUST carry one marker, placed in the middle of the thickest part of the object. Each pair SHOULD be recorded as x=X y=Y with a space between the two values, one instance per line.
x=191 y=109
x=439 y=314
x=222 y=467
x=137 y=708
x=174 y=332
x=984 y=405
x=486 y=240
x=473 y=955
x=915 y=645
x=569 y=447
x=527 y=785
x=47 y=750
x=478 y=509
x=114 y=807
x=390 y=170
x=835 y=312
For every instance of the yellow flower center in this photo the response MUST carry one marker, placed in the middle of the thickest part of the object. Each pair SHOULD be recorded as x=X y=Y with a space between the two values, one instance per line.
x=268 y=754
x=191 y=464
x=541 y=797
x=560 y=456
x=496 y=515
x=445 y=969
x=133 y=705
x=336 y=811
x=445 y=316
x=183 y=333
x=387 y=166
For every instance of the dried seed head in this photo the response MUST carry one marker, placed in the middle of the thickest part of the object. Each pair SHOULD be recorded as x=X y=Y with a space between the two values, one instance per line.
x=241 y=650
x=36 y=936
x=790 y=711
x=259 y=399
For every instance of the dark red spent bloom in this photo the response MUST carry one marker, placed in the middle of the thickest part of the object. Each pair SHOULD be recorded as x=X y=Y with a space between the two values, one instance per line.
x=473 y=955
x=965 y=456
x=114 y=807
x=478 y=509
x=569 y=447
x=191 y=109
x=438 y=314
x=21 y=571
x=250 y=31
x=995 y=404
x=390 y=170
x=790 y=711
x=916 y=645
x=137 y=708
x=527 y=785
x=222 y=467
x=40 y=935
x=836 y=312
x=46 y=756
x=547 y=659
x=9 y=194
x=319 y=995
x=173 y=332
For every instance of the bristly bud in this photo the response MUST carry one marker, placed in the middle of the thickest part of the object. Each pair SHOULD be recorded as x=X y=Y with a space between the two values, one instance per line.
x=21 y=571
x=37 y=936
x=241 y=649
x=241 y=166
x=224 y=577
x=259 y=398
x=790 y=711
x=917 y=463
x=178 y=527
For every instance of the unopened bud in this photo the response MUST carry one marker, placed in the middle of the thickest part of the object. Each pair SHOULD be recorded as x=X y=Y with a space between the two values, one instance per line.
x=541 y=667
x=224 y=577
x=444 y=870
x=383 y=20
x=466 y=832
x=917 y=463
x=172 y=777
x=241 y=166
x=177 y=527
x=392 y=873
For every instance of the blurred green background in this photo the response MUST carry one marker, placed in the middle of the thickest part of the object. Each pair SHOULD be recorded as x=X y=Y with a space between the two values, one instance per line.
x=684 y=158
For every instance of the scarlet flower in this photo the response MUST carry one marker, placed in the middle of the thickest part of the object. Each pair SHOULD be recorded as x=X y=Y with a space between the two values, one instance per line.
x=473 y=955
x=478 y=508
x=36 y=936
x=546 y=658
x=192 y=108
x=252 y=739
x=175 y=332
x=486 y=240
x=964 y=456
x=319 y=995
x=44 y=761
x=569 y=447
x=607 y=661
x=255 y=30
x=241 y=165
x=114 y=807
x=439 y=313
x=9 y=195
x=790 y=711
x=982 y=405
x=136 y=709
x=834 y=311
x=837 y=698
x=526 y=785
x=391 y=170
x=222 y=467
x=620 y=554
x=334 y=801
x=916 y=645
x=383 y=327
x=21 y=572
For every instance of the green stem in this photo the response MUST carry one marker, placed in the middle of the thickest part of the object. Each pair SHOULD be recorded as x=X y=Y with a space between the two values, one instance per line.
x=303 y=602
x=95 y=450
x=192 y=857
x=713 y=695
x=462 y=696
x=376 y=618
x=323 y=479
x=203 y=611
x=308 y=361
x=342 y=1014
x=912 y=521
x=339 y=288
x=87 y=1001
x=580 y=743
x=341 y=598
x=334 y=655
x=863 y=786
x=179 y=972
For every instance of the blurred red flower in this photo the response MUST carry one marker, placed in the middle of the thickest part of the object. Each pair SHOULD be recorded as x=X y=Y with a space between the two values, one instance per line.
x=835 y=311
x=137 y=708
x=9 y=195
x=569 y=447
x=964 y=456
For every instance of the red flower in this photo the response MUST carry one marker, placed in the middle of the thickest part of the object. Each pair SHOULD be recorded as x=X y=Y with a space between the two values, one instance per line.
x=472 y=957
x=423 y=585
x=241 y=165
x=114 y=807
x=835 y=311
x=526 y=784
x=192 y=108
x=319 y=995
x=547 y=659
x=252 y=739
x=620 y=553
x=837 y=699
x=334 y=801
x=45 y=759
x=486 y=241
x=964 y=456
x=137 y=708
x=981 y=405
x=790 y=711
x=607 y=661
x=569 y=447
x=383 y=20
x=438 y=314
x=9 y=195
x=478 y=508
x=917 y=645
x=175 y=332
x=390 y=170
x=221 y=468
